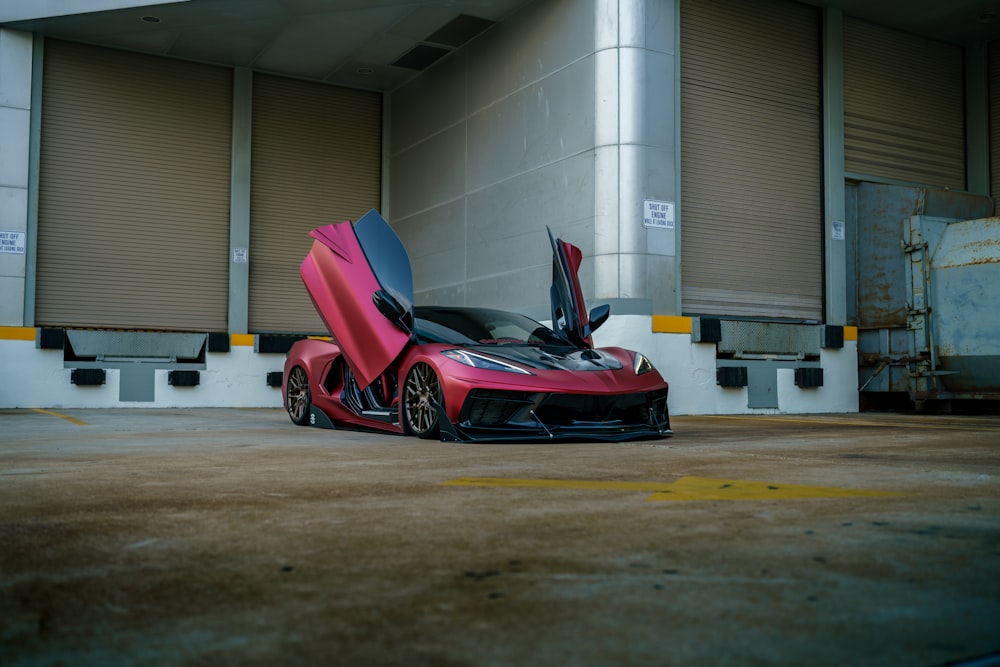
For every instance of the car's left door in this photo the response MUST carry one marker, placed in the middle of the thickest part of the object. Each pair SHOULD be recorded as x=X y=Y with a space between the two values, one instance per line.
x=358 y=276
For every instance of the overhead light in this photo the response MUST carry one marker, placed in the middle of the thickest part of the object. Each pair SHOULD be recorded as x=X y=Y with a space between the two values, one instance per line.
x=364 y=70
x=151 y=19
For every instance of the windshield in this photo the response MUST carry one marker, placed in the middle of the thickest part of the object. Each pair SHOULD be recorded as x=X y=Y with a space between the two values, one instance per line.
x=479 y=326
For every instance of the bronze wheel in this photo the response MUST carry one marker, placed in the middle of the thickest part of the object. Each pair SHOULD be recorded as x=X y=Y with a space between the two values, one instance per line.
x=421 y=396
x=297 y=396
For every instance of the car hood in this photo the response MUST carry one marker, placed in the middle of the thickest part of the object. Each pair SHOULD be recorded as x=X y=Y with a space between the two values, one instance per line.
x=552 y=358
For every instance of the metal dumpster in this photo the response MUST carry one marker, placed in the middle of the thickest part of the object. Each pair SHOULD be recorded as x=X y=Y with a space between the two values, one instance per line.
x=927 y=271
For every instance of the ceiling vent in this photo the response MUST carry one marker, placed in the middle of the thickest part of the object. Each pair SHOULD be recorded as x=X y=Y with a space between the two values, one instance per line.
x=460 y=30
x=421 y=56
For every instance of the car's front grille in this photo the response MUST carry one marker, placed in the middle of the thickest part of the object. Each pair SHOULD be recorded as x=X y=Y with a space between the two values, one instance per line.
x=491 y=408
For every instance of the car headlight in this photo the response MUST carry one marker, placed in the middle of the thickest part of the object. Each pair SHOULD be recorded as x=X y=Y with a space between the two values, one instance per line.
x=482 y=361
x=641 y=364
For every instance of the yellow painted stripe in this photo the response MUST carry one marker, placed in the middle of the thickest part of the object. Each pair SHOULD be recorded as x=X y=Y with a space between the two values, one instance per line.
x=707 y=488
x=17 y=333
x=671 y=324
x=72 y=420
x=558 y=484
x=241 y=340
x=685 y=488
x=850 y=333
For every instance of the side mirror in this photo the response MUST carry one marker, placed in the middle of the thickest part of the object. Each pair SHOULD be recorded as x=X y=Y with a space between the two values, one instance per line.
x=598 y=316
x=391 y=309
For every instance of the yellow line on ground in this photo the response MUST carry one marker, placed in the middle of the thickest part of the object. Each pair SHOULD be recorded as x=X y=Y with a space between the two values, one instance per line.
x=707 y=488
x=685 y=488
x=72 y=420
x=649 y=487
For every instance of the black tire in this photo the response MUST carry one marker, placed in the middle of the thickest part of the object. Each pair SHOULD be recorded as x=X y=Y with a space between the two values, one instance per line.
x=421 y=396
x=297 y=396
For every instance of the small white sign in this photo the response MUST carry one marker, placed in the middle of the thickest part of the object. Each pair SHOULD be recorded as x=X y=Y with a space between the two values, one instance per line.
x=13 y=243
x=658 y=214
x=241 y=255
x=838 y=230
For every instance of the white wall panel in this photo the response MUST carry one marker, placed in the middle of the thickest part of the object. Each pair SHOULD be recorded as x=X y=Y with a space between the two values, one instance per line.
x=429 y=173
x=539 y=41
x=439 y=102
x=533 y=127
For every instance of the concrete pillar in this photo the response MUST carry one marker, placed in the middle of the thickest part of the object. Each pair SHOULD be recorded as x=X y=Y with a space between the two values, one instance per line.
x=636 y=156
x=15 y=133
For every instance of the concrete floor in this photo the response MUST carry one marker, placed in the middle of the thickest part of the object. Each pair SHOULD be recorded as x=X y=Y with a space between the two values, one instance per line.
x=233 y=537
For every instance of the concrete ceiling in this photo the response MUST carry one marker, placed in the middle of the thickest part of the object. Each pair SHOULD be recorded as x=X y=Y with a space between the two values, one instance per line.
x=356 y=42
x=347 y=42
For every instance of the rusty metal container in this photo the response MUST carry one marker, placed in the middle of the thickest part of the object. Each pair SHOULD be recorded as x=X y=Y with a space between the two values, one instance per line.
x=927 y=271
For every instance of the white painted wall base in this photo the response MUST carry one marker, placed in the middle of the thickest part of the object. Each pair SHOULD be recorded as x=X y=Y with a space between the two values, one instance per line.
x=34 y=378
x=690 y=369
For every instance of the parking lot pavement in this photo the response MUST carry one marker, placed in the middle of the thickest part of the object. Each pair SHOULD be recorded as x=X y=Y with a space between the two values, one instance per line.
x=232 y=537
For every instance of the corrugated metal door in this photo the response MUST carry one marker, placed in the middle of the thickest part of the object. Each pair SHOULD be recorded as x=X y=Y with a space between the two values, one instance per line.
x=904 y=115
x=995 y=125
x=316 y=160
x=751 y=184
x=133 y=227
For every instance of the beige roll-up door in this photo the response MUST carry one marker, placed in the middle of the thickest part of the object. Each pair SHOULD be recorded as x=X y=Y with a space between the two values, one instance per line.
x=995 y=125
x=133 y=222
x=751 y=183
x=904 y=115
x=316 y=160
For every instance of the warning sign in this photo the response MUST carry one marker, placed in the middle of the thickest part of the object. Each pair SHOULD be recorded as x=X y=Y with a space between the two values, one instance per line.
x=13 y=243
x=658 y=214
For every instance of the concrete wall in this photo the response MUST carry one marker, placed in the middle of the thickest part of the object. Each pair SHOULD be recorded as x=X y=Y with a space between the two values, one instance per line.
x=523 y=129
x=15 y=130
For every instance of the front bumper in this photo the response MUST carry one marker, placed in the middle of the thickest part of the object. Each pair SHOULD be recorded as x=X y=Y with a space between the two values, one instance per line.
x=517 y=416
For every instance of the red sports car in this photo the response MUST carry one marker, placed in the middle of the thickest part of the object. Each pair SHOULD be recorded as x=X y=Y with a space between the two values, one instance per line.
x=459 y=374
